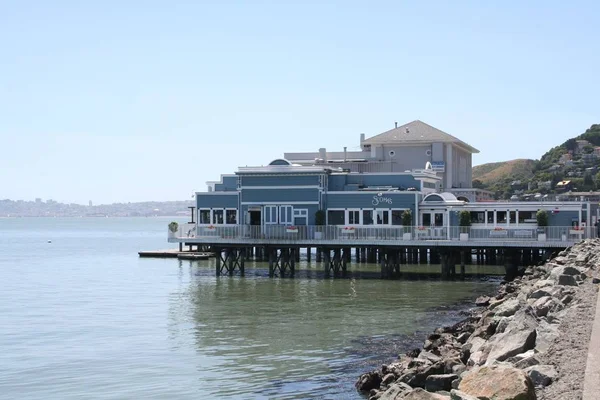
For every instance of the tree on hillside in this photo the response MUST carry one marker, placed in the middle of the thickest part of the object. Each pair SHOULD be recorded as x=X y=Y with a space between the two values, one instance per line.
x=571 y=144
x=477 y=184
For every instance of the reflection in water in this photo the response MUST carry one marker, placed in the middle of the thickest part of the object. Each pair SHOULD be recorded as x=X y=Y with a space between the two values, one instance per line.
x=305 y=337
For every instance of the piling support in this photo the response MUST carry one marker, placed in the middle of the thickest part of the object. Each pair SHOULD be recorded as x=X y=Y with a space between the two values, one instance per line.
x=462 y=264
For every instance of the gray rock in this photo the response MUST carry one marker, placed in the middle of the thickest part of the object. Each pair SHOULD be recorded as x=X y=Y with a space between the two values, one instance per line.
x=539 y=293
x=420 y=394
x=542 y=306
x=503 y=324
x=595 y=280
x=462 y=338
x=458 y=395
x=429 y=356
x=546 y=334
x=508 y=308
x=527 y=362
x=396 y=391
x=482 y=301
x=389 y=378
x=567 y=299
x=499 y=382
x=435 y=383
x=368 y=381
x=519 y=336
x=542 y=375
x=567 y=280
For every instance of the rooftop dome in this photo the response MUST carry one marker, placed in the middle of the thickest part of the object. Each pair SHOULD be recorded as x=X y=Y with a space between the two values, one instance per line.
x=280 y=161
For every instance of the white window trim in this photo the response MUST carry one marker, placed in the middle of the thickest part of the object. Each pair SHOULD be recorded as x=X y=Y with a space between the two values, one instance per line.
x=347 y=216
x=334 y=209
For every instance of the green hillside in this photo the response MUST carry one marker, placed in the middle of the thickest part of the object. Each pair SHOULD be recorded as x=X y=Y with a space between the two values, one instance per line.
x=576 y=160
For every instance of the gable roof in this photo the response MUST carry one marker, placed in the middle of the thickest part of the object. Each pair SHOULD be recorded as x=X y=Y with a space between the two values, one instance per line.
x=417 y=132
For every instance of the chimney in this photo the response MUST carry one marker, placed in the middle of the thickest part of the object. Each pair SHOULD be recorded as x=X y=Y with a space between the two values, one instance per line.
x=396 y=123
x=362 y=137
x=323 y=154
x=345 y=158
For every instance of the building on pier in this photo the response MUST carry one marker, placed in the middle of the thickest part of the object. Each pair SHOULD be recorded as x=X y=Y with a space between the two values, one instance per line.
x=412 y=167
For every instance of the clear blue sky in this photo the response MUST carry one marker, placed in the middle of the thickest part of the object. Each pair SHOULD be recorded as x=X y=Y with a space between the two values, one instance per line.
x=147 y=100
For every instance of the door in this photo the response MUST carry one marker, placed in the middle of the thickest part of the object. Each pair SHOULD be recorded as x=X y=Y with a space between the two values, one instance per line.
x=433 y=222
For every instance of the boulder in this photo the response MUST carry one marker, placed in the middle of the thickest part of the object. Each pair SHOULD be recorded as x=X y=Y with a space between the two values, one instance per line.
x=503 y=324
x=420 y=376
x=396 y=391
x=420 y=394
x=498 y=382
x=567 y=280
x=546 y=334
x=482 y=301
x=542 y=306
x=458 y=395
x=389 y=378
x=519 y=336
x=435 y=383
x=429 y=356
x=541 y=375
x=368 y=381
x=539 y=293
x=595 y=280
x=508 y=308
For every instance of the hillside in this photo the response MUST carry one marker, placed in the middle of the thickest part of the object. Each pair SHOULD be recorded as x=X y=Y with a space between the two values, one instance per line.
x=576 y=161
x=514 y=169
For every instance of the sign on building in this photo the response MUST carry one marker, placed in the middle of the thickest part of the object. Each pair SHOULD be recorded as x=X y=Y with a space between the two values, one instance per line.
x=438 y=166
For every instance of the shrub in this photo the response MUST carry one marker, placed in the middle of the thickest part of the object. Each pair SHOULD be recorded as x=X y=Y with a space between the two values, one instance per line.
x=464 y=220
x=542 y=217
x=173 y=226
x=407 y=218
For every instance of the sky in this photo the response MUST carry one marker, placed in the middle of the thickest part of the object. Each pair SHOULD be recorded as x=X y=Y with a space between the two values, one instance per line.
x=118 y=101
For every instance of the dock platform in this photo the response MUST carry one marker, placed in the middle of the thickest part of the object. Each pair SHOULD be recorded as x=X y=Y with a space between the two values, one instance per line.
x=175 y=253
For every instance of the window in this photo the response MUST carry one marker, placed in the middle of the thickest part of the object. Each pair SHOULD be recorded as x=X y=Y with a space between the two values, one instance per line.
x=527 y=217
x=501 y=217
x=383 y=217
x=429 y=185
x=513 y=217
x=231 y=217
x=354 y=217
x=397 y=217
x=490 y=217
x=270 y=214
x=439 y=219
x=335 y=217
x=427 y=219
x=477 y=217
x=218 y=217
x=285 y=215
x=367 y=217
x=204 y=216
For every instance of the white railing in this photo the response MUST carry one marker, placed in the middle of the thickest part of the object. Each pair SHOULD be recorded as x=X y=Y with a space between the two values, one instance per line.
x=378 y=233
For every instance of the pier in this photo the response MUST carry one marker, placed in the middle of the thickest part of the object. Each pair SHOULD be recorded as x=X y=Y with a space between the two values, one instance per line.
x=391 y=248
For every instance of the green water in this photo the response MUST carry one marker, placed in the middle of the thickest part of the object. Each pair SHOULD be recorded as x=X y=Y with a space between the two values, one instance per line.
x=84 y=317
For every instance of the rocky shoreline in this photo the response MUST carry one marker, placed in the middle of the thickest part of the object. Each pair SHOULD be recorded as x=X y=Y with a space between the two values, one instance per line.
x=529 y=342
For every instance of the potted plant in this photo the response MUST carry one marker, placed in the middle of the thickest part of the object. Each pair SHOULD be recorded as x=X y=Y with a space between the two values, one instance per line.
x=464 y=221
x=542 y=222
x=407 y=223
x=319 y=221
x=173 y=228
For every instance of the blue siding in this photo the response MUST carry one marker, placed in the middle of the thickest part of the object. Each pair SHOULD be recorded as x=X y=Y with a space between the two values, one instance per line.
x=365 y=200
x=337 y=182
x=262 y=195
x=229 y=184
x=216 y=201
x=281 y=180
x=562 y=218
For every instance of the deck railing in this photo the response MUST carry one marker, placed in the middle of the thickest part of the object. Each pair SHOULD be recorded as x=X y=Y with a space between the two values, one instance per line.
x=349 y=234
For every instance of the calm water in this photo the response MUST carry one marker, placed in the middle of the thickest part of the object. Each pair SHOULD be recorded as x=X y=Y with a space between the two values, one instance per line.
x=84 y=318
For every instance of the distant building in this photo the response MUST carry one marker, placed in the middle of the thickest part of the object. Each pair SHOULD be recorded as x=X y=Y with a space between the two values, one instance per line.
x=564 y=158
x=564 y=186
x=38 y=200
x=90 y=203
x=544 y=185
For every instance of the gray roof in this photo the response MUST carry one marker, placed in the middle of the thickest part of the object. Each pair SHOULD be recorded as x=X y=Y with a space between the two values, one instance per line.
x=417 y=132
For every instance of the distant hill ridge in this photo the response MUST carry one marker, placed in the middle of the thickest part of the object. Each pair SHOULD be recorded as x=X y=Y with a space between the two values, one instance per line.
x=577 y=160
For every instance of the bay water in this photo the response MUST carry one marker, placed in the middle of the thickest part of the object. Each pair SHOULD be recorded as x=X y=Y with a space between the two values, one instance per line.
x=83 y=317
